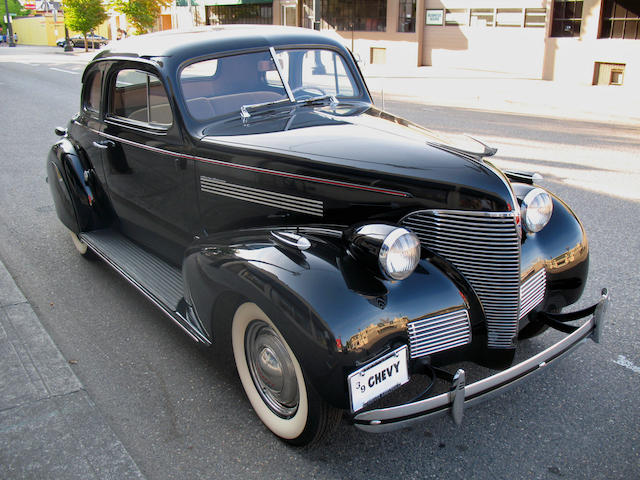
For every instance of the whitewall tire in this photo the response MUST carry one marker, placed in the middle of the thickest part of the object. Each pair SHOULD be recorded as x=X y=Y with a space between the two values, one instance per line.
x=82 y=248
x=274 y=382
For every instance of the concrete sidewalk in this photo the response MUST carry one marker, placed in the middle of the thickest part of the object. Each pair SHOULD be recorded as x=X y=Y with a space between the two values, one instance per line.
x=49 y=427
x=505 y=92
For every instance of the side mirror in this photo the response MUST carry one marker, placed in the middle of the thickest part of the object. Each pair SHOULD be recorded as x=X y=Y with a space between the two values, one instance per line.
x=60 y=131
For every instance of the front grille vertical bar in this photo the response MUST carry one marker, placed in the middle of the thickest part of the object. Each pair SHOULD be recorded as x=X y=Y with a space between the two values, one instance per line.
x=485 y=248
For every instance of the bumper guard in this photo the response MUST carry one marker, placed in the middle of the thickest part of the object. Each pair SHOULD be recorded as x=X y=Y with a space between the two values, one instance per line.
x=461 y=395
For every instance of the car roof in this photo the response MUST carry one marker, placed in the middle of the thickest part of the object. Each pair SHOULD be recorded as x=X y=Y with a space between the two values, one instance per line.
x=214 y=39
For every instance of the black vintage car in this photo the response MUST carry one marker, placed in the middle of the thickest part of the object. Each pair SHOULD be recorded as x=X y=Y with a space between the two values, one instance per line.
x=241 y=179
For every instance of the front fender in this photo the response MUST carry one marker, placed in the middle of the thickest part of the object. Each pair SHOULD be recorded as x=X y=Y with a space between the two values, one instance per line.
x=320 y=299
x=562 y=247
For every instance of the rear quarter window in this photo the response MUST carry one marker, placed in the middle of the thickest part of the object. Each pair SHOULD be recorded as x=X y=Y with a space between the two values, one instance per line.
x=92 y=92
x=140 y=96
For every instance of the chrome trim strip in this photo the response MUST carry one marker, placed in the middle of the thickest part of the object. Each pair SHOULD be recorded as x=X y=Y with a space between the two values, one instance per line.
x=392 y=418
x=262 y=197
x=532 y=292
x=498 y=173
x=306 y=178
x=287 y=88
x=438 y=333
x=464 y=213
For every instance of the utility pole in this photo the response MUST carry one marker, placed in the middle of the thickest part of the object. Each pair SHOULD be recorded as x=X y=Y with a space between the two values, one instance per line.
x=316 y=15
x=9 y=24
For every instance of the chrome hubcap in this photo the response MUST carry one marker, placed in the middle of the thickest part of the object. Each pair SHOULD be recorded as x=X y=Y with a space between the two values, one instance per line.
x=272 y=369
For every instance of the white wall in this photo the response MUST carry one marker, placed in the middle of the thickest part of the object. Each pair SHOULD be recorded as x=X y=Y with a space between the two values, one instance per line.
x=573 y=59
x=498 y=48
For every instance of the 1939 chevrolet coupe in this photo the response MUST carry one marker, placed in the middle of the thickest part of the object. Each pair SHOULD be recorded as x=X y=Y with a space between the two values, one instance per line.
x=241 y=178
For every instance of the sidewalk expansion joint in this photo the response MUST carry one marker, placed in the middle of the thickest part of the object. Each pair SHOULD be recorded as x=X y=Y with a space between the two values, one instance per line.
x=41 y=399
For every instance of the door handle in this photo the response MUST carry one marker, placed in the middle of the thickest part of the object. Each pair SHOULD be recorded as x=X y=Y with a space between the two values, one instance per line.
x=104 y=144
x=180 y=163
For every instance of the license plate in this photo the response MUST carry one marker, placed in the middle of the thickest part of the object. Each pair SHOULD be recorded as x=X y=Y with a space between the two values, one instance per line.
x=379 y=377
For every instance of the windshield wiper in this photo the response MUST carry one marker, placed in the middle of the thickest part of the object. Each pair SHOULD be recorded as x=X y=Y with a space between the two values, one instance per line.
x=245 y=110
x=267 y=106
x=319 y=100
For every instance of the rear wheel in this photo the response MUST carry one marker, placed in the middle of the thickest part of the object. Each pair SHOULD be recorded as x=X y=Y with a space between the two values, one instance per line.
x=274 y=382
x=82 y=248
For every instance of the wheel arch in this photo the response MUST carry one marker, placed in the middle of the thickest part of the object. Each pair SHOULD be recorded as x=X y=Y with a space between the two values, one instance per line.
x=80 y=204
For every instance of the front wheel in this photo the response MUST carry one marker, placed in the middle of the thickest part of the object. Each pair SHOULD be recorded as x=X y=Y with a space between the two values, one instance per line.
x=274 y=382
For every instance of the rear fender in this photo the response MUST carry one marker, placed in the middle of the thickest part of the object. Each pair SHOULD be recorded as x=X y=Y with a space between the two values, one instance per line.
x=319 y=298
x=74 y=192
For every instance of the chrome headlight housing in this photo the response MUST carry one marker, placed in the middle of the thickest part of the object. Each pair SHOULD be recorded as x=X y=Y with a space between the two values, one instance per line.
x=399 y=254
x=390 y=250
x=536 y=210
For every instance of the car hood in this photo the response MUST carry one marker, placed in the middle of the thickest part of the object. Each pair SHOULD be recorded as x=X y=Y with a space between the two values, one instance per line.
x=384 y=148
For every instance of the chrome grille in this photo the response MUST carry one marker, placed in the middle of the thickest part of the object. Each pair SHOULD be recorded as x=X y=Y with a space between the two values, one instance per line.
x=485 y=248
x=442 y=332
x=532 y=292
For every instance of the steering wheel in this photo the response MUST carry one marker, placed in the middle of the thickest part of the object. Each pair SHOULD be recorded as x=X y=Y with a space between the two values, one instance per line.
x=308 y=92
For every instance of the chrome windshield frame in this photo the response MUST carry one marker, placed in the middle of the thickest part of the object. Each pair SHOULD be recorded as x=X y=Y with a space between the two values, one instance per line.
x=287 y=88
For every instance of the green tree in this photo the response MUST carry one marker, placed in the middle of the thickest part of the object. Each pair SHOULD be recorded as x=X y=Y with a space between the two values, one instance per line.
x=141 y=13
x=14 y=7
x=83 y=16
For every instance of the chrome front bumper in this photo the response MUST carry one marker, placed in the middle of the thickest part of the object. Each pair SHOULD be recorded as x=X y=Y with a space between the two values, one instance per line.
x=461 y=395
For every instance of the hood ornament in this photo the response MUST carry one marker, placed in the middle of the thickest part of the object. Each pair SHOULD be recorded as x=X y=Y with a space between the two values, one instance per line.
x=450 y=146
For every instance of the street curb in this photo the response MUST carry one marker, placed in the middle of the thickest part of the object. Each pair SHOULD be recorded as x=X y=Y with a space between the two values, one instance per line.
x=49 y=427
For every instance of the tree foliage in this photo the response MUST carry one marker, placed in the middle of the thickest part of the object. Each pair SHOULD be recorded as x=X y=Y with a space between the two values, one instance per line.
x=14 y=7
x=84 y=15
x=142 y=14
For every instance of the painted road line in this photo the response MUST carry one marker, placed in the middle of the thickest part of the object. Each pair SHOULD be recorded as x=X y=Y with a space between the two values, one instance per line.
x=625 y=362
x=64 y=71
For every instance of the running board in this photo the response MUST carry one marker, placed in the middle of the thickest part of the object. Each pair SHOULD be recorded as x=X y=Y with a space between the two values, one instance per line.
x=156 y=279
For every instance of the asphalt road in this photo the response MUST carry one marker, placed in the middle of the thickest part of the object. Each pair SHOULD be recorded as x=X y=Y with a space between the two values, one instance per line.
x=180 y=410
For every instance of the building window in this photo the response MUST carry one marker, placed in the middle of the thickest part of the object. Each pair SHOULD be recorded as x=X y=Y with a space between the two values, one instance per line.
x=567 y=18
x=378 y=55
x=456 y=16
x=407 y=16
x=482 y=17
x=359 y=15
x=618 y=21
x=535 y=17
x=140 y=97
x=608 y=73
x=226 y=14
x=509 y=17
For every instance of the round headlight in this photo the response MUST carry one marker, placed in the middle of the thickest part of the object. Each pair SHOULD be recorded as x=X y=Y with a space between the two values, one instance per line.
x=399 y=254
x=537 y=208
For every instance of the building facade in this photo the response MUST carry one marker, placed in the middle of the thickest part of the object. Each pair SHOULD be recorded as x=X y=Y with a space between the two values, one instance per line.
x=581 y=41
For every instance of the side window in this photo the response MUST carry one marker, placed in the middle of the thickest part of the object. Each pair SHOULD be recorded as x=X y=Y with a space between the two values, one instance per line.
x=141 y=97
x=92 y=93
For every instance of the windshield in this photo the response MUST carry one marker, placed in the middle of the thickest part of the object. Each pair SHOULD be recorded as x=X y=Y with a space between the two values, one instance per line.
x=224 y=85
